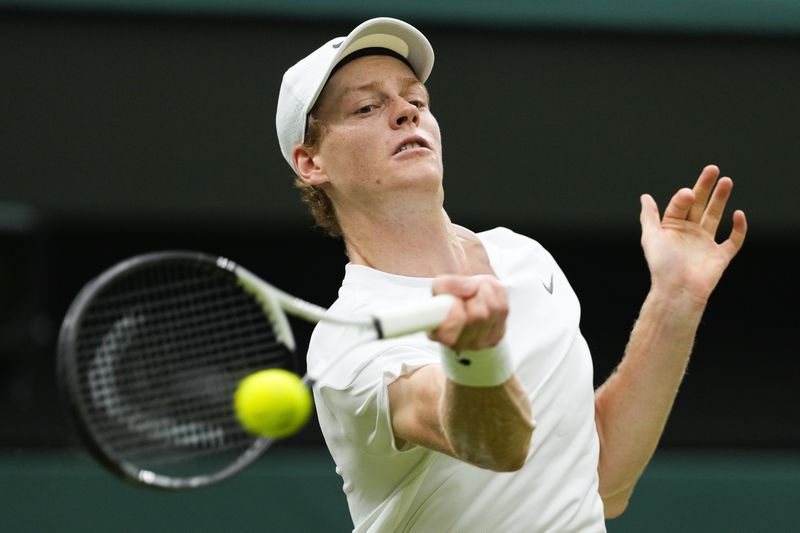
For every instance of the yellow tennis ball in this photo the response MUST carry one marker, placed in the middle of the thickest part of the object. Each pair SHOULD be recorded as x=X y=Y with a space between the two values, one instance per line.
x=272 y=403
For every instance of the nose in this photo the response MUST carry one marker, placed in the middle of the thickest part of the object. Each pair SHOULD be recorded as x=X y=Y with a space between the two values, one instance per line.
x=404 y=112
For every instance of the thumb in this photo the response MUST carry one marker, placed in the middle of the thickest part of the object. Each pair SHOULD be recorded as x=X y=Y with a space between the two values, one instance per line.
x=460 y=286
x=649 y=217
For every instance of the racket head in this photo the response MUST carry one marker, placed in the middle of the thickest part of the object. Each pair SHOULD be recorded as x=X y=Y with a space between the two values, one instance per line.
x=149 y=356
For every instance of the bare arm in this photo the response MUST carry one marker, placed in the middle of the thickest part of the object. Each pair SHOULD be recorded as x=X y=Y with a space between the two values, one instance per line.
x=632 y=406
x=685 y=265
x=489 y=427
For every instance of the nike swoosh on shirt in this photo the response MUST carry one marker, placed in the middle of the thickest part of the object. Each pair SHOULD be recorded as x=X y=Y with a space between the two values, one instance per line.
x=548 y=288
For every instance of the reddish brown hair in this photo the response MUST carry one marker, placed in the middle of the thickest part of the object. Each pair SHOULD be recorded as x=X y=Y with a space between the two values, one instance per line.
x=317 y=201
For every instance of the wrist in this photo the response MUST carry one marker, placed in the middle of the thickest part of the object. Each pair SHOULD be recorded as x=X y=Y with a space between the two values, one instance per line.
x=678 y=296
x=673 y=306
x=487 y=367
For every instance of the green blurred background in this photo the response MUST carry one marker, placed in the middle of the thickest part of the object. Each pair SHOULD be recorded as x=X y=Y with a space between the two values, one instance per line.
x=130 y=126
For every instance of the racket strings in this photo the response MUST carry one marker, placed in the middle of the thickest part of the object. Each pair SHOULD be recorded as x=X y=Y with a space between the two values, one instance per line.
x=205 y=349
x=156 y=456
x=150 y=285
x=169 y=306
x=162 y=353
x=197 y=441
x=148 y=389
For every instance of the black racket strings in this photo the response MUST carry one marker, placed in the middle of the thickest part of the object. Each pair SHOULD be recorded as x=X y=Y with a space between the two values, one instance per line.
x=161 y=351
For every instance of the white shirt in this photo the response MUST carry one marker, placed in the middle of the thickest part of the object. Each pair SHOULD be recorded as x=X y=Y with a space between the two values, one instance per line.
x=417 y=489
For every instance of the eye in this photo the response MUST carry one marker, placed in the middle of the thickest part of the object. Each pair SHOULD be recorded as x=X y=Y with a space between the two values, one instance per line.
x=363 y=110
x=417 y=103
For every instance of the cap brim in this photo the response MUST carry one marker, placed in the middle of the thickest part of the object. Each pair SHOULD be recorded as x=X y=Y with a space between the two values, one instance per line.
x=383 y=32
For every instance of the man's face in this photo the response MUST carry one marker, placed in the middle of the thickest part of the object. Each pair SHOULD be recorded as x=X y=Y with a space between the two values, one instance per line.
x=380 y=135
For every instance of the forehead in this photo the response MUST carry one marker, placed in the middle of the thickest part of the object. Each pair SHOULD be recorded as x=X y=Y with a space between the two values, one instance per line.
x=364 y=73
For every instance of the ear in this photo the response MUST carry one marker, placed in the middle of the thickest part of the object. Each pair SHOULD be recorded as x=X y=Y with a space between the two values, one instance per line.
x=307 y=163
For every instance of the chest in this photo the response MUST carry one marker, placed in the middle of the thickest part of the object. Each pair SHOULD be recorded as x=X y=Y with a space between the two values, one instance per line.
x=544 y=318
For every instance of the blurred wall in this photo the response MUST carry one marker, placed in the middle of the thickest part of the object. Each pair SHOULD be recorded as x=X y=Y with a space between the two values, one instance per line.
x=126 y=133
x=296 y=490
x=137 y=116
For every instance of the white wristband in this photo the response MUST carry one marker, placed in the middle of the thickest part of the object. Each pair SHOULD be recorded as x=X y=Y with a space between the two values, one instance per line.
x=488 y=367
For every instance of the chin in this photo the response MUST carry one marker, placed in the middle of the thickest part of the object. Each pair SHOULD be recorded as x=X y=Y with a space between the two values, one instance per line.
x=428 y=177
x=420 y=167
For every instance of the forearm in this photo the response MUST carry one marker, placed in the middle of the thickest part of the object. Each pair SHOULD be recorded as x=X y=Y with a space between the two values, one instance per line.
x=632 y=406
x=490 y=427
x=685 y=264
x=471 y=406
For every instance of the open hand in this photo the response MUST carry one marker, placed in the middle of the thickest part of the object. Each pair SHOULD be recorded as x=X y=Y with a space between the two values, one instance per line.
x=681 y=250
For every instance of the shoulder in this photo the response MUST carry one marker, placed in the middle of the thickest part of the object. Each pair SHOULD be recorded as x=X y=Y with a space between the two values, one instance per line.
x=507 y=238
x=365 y=292
x=508 y=243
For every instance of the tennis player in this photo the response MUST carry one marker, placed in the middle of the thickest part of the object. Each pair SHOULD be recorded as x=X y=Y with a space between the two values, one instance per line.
x=491 y=422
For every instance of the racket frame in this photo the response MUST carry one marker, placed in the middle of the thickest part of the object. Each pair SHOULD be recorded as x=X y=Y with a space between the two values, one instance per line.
x=69 y=381
x=276 y=303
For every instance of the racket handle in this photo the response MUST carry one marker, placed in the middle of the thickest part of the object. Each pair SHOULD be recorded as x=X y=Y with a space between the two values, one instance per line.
x=414 y=317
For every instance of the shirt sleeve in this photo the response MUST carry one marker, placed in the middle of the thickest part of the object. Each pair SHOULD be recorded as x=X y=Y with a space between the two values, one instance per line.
x=360 y=403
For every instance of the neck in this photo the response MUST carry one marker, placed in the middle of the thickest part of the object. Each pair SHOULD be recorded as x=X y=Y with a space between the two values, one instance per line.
x=417 y=244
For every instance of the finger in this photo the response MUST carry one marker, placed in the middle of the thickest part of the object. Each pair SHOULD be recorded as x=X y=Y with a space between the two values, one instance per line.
x=460 y=286
x=496 y=334
x=493 y=292
x=679 y=205
x=649 y=217
x=450 y=330
x=479 y=319
x=497 y=300
x=716 y=206
x=702 y=191
x=736 y=239
x=485 y=311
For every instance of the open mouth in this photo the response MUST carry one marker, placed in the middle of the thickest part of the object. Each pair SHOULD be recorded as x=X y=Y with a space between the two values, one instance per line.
x=410 y=144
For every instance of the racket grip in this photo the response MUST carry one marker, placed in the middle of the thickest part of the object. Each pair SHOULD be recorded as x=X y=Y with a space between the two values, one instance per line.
x=414 y=317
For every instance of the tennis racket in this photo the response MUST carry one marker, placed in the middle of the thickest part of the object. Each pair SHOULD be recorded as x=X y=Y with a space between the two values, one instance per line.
x=151 y=351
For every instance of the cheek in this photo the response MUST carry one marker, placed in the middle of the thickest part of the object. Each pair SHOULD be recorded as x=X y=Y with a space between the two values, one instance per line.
x=350 y=152
x=359 y=147
x=436 y=134
x=347 y=142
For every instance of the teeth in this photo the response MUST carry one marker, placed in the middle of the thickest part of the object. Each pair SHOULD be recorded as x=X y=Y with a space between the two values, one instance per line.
x=409 y=145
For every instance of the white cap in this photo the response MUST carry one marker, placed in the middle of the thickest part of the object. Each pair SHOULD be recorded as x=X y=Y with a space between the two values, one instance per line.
x=303 y=83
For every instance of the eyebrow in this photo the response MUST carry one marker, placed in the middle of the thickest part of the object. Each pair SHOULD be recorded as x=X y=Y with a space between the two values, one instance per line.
x=378 y=84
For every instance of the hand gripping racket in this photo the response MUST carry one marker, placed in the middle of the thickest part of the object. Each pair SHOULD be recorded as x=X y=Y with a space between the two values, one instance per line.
x=151 y=351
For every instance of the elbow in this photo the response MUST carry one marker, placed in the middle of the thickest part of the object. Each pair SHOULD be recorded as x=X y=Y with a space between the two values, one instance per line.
x=511 y=458
x=515 y=458
x=615 y=510
x=511 y=463
x=507 y=462
x=614 y=506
